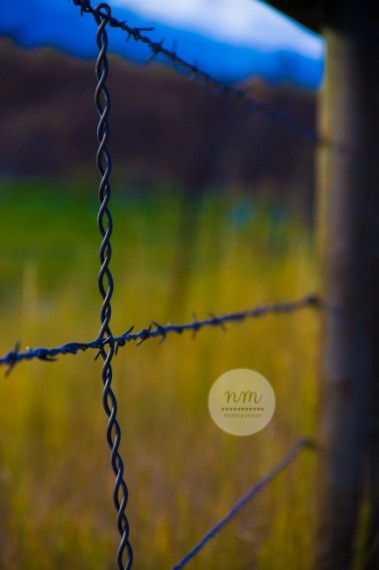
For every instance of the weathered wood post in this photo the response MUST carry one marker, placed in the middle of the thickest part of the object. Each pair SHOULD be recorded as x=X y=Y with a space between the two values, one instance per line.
x=348 y=222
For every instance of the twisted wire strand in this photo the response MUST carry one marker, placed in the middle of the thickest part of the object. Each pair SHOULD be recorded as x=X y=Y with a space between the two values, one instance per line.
x=106 y=286
x=251 y=104
x=155 y=330
x=302 y=444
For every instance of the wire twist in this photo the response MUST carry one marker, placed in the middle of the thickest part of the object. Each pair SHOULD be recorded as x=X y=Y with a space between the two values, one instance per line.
x=251 y=104
x=155 y=330
x=106 y=286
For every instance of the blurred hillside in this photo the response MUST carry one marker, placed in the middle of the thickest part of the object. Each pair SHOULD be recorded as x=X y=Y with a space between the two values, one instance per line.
x=165 y=129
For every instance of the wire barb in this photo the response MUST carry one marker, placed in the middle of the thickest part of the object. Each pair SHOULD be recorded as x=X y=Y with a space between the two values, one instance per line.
x=194 y=70
x=49 y=354
x=108 y=347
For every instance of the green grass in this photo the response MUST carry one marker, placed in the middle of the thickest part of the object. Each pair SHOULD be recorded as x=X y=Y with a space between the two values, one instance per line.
x=183 y=472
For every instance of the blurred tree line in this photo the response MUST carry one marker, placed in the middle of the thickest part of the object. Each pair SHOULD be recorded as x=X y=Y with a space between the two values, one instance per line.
x=165 y=128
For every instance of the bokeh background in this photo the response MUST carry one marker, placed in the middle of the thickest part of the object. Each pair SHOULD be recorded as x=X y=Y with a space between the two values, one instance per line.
x=213 y=211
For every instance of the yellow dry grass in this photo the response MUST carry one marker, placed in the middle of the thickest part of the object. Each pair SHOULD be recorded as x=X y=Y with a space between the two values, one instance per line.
x=183 y=472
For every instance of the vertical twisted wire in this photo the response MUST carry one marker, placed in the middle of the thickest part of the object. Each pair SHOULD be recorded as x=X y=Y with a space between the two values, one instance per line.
x=105 y=283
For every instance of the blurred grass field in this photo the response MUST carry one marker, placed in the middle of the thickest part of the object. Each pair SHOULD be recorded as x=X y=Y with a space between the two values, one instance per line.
x=183 y=473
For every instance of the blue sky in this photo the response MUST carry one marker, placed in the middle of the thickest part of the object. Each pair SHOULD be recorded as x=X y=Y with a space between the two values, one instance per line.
x=230 y=39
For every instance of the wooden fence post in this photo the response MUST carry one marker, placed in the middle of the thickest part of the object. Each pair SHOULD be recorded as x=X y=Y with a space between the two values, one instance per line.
x=348 y=224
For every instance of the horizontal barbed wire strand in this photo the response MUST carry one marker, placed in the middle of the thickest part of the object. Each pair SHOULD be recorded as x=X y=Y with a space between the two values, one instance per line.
x=155 y=330
x=302 y=444
x=251 y=104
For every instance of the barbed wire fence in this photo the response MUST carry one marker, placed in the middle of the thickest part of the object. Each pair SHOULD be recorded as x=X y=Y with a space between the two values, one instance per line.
x=154 y=330
x=251 y=104
x=106 y=344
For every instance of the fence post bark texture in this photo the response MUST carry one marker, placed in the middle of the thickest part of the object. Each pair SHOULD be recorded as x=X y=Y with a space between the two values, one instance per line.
x=348 y=224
